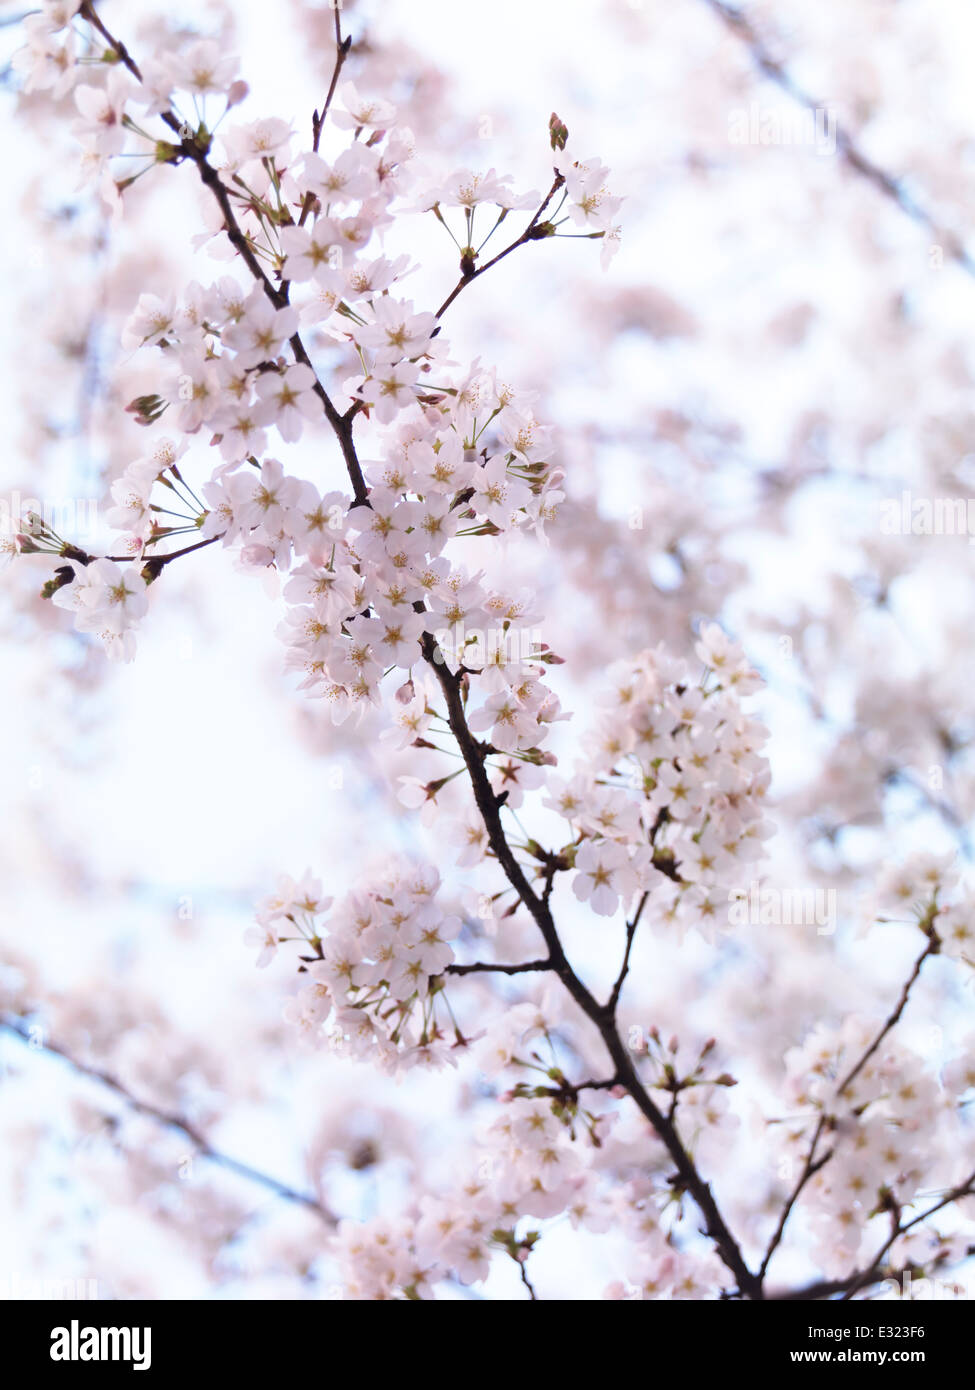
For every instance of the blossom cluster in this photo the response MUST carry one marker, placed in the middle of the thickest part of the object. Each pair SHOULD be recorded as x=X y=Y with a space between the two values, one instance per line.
x=530 y=1165
x=669 y=796
x=108 y=601
x=375 y=966
x=459 y=454
x=926 y=886
x=879 y=1119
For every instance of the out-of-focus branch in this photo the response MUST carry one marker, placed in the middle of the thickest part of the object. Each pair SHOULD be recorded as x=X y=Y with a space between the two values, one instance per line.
x=17 y=1027
x=811 y=1166
x=857 y=1283
x=888 y=184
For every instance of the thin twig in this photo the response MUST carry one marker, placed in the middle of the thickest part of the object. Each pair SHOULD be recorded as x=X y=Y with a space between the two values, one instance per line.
x=531 y=233
x=931 y=949
x=625 y=967
x=527 y=1282
x=811 y=1166
x=964 y=1189
x=18 y=1028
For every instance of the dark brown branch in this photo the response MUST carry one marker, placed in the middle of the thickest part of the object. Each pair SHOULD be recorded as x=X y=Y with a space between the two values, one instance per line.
x=87 y=11
x=625 y=967
x=810 y=1168
x=533 y=232
x=813 y=1164
x=278 y=295
x=489 y=967
x=342 y=47
x=689 y=1179
x=964 y=1189
x=154 y=563
x=858 y=1281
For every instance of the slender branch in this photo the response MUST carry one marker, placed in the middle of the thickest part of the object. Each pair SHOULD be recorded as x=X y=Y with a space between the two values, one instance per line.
x=532 y=232
x=18 y=1028
x=342 y=47
x=87 y=11
x=152 y=562
x=862 y=1279
x=606 y=1085
x=811 y=1166
x=625 y=967
x=889 y=185
x=527 y=1282
x=931 y=949
x=828 y=1288
x=964 y=1189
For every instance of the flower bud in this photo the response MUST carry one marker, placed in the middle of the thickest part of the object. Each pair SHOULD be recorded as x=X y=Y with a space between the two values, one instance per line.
x=558 y=132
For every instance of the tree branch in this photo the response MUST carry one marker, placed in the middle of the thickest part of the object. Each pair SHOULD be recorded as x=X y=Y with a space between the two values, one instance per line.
x=813 y=1165
x=625 y=967
x=18 y=1028
x=531 y=233
x=599 y=1014
x=488 y=966
x=964 y=1189
x=889 y=185
x=931 y=949
x=278 y=296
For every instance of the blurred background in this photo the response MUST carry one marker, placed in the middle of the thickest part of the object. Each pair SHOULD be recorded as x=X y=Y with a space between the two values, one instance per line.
x=783 y=344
